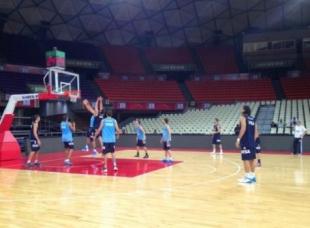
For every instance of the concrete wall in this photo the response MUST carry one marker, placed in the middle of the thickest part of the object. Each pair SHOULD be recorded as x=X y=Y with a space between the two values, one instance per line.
x=281 y=143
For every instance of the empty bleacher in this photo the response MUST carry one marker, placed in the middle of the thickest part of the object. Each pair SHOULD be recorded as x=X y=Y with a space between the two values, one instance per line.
x=218 y=60
x=296 y=88
x=286 y=110
x=133 y=90
x=124 y=59
x=197 y=121
x=231 y=91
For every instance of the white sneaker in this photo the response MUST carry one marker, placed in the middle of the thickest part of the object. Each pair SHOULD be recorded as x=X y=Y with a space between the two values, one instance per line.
x=221 y=153
x=105 y=170
x=245 y=180
x=115 y=168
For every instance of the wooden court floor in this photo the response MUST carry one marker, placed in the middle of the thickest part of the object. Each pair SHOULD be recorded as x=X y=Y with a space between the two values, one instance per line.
x=201 y=191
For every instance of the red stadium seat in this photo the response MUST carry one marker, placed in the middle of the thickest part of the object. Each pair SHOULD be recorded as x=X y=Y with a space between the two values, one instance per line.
x=136 y=90
x=296 y=88
x=231 y=91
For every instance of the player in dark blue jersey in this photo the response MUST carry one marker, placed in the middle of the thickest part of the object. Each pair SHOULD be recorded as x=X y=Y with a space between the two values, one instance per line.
x=246 y=142
x=216 y=139
x=141 y=139
x=35 y=142
x=67 y=128
x=95 y=120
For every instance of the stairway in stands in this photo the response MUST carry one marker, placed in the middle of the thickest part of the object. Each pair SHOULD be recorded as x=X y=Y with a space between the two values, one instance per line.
x=264 y=118
x=185 y=91
x=277 y=86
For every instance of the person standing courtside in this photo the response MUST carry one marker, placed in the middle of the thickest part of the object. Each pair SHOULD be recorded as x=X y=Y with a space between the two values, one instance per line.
x=216 y=139
x=246 y=142
x=166 y=141
x=141 y=139
x=35 y=142
x=67 y=128
x=299 y=132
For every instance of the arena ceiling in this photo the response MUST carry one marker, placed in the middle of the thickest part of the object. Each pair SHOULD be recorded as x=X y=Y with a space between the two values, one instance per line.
x=165 y=23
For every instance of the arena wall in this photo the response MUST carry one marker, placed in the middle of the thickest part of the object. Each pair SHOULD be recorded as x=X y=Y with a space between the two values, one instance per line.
x=269 y=143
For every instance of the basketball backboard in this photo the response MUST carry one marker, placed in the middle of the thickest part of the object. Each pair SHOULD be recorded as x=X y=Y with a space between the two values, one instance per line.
x=62 y=83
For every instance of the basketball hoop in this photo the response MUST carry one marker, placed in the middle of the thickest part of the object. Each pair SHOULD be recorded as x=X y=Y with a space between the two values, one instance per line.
x=73 y=98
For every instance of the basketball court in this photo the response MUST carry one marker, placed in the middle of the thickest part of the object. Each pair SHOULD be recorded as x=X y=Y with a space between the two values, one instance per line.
x=197 y=190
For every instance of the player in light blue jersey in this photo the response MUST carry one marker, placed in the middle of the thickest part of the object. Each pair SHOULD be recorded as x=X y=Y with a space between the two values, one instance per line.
x=246 y=143
x=141 y=139
x=109 y=129
x=166 y=140
x=67 y=128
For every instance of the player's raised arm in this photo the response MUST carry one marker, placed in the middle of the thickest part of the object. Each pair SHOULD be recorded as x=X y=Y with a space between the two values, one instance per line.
x=89 y=107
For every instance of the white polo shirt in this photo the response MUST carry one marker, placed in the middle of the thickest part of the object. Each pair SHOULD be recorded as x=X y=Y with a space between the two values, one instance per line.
x=299 y=131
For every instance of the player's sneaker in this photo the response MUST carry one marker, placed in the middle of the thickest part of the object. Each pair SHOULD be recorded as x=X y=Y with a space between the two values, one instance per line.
x=67 y=162
x=246 y=180
x=86 y=149
x=29 y=165
x=94 y=153
x=137 y=155
x=37 y=163
x=115 y=168
x=169 y=160
x=104 y=169
x=164 y=160
x=221 y=153
x=146 y=156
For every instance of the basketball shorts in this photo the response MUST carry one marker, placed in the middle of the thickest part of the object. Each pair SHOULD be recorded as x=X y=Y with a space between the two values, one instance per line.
x=34 y=145
x=248 y=154
x=167 y=145
x=69 y=145
x=141 y=143
x=91 y=133
x=108 y=148
x=216 y=139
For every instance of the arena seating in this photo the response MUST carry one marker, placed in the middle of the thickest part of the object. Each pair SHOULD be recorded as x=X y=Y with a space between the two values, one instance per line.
x=14 y=83
x=286 y=110
x=124 y=59
x=218 y=60
x=200 y=121
x=140 y=90
x=296 y=88
x=197 y=121
x=231 y=91
x=168 y=55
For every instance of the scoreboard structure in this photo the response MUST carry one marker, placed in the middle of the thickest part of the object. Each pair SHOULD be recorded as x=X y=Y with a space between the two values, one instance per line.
x=55 y=58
